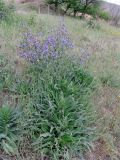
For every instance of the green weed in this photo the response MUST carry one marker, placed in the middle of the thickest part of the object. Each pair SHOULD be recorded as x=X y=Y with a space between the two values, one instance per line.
x=8 y=130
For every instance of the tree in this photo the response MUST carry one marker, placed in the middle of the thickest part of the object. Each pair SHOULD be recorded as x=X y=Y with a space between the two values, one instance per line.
x=73 y=5
x=67 y=4
x=56 y=3
x=88 y=4
x=82 y=6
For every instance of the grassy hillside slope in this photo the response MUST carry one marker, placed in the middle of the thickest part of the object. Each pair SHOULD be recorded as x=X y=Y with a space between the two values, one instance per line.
x=97 y=45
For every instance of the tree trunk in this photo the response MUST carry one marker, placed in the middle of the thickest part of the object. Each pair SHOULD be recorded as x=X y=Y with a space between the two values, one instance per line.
x=56 y=7
x=75 y=13
x=68 y=7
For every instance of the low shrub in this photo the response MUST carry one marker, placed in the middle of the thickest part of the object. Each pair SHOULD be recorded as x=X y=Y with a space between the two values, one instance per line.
x=93 y=10
x=104 y=15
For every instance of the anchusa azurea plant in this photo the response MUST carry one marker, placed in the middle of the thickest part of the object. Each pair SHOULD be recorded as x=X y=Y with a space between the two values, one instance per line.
x=35 y=47
x=57 y=115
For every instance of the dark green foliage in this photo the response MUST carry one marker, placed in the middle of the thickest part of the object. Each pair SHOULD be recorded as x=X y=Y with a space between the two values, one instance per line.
x=93 y=10
x=7 y=121
x=73 y=5
x=56 y=3
x=58 y=117
x=90 y=5
x=8 y=129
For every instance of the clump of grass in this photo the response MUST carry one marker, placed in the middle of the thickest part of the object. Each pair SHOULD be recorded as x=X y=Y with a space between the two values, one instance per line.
x=109 y=80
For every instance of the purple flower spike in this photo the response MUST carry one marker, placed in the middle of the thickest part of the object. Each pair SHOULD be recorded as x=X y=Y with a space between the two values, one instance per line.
x=33 y=47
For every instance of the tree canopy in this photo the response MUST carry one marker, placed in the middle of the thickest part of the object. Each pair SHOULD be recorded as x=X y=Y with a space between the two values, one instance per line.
x=83 y=6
